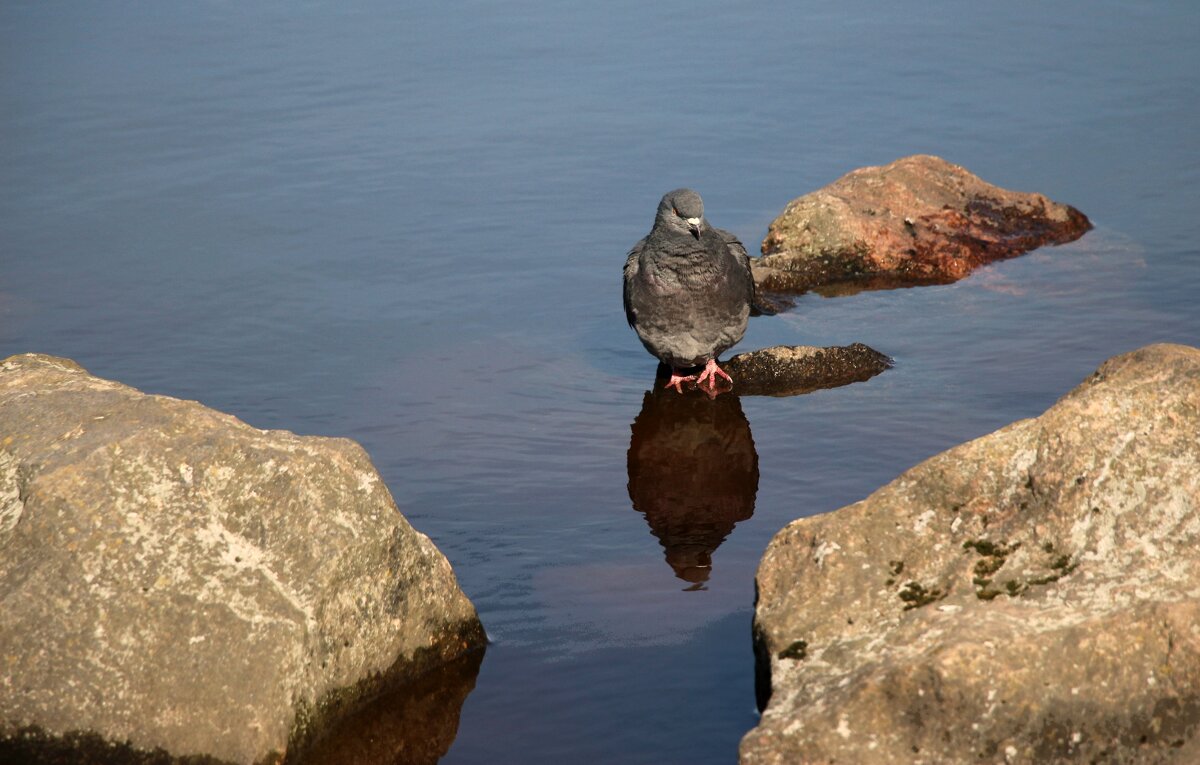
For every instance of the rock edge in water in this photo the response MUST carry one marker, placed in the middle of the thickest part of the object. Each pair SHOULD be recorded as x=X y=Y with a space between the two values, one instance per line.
x=918 y=220
x=1029 y=596
x=790 y=370
x=174 y=579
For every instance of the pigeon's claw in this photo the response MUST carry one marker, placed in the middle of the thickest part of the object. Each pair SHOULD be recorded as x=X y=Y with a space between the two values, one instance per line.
x=711 y=373
x=678 y=380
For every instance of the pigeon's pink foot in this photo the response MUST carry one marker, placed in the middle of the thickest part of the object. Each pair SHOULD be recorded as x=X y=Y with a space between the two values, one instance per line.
x=711 y=373
x=677 y=380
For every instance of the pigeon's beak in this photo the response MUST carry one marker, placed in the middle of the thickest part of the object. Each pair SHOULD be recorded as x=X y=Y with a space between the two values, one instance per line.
x=694 y=226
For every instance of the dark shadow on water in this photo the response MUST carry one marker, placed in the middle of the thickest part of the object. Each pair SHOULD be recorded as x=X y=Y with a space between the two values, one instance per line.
x=415 y=725
x=33 y=746
x=693 y=472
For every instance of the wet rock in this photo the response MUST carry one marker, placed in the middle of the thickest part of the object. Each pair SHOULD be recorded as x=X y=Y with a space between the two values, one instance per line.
x=1030 y=596
x=771 y=303
x=175 y=579
x=693 y=472
x=789 y=370
x=919 y=220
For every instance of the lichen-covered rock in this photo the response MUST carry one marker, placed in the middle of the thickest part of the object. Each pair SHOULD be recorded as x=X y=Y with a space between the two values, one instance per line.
x=1032 y=596
x=173 y=578
x=919 y=220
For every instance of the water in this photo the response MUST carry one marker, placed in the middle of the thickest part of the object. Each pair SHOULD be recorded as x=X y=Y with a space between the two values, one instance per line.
x=405 y=225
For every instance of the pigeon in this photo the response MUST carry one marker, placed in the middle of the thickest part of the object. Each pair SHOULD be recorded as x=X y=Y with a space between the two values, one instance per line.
x=688 y=290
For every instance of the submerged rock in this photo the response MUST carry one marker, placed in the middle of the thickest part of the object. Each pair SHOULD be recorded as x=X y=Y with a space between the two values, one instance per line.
x=1030 y=596
x=175 y=579
x=919 y=220
x=789 y=370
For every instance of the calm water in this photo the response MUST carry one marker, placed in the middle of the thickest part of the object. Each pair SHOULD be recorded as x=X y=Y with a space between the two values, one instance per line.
x=406 y=226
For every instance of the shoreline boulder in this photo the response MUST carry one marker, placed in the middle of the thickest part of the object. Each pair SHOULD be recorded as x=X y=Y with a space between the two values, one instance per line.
x=174 y=579
x=1029 y=596
x=918 y=220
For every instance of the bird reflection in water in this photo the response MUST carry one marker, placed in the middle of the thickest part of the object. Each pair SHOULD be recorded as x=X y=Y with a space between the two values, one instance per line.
x=693 y=472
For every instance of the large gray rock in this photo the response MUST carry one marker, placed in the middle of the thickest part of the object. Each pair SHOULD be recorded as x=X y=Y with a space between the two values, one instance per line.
x=173 y=578
x=1032 y=596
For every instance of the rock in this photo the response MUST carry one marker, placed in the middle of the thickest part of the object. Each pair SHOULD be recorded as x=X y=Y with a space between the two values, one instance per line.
x=1030 y=596
x=789 y=370
x=919 y=220
x=693 y=472
x=175 y=579
x=770 y=303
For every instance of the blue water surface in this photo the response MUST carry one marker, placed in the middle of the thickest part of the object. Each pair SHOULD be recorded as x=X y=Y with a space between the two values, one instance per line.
x=405 y=223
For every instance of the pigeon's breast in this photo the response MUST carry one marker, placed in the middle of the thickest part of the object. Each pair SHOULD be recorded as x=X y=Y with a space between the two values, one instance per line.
x=688 y=313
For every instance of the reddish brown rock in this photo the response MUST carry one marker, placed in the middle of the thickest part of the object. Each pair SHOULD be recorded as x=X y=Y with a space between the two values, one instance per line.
x=919 y=220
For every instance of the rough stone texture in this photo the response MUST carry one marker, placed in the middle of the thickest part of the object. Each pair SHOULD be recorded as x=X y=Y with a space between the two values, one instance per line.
x=1032 y=596
x=919 y=220
x=173 y=578
x=789 y=370
x=693 y=472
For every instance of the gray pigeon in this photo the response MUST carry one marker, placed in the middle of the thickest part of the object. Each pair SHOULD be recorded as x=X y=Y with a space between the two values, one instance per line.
x=688 y=290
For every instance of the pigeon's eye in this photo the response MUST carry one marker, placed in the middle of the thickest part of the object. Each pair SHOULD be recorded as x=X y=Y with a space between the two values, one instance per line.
x=676 y=211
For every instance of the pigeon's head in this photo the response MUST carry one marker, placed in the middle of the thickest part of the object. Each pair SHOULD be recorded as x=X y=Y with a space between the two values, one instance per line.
x=681 y=210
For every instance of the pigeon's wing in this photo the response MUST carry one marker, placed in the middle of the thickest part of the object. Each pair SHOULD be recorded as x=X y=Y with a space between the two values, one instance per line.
x=631 y=271
x=743 y=258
